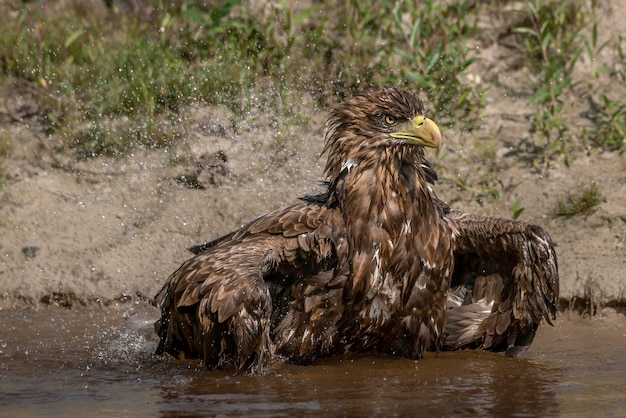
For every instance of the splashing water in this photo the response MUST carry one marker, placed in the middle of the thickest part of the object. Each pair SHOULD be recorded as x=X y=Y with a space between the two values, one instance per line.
x=65 y=362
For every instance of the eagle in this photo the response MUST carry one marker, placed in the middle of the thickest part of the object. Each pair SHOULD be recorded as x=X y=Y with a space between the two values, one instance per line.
x=375 y=263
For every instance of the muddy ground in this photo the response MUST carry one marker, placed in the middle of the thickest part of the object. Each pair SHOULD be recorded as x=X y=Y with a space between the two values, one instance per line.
x=109 y=230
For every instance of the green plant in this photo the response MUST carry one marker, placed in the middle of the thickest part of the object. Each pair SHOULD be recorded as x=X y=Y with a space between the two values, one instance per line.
x=517 y=209
x=112 y=137
x=553 y=45
x=610 y=125
x=90 y=68
x=433 y=54
x=584 y=202
x=348 y=46
x=610 y=117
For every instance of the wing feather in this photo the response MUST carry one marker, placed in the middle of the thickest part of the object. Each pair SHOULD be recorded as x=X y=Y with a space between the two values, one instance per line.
x=508 y=265
x=235 y=285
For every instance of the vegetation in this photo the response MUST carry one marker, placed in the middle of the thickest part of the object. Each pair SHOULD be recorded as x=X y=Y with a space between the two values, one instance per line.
x=583 y=202
x=93 y=67
x=610 y=115
x=552 y=46
x=111 y=81
x=555 y=38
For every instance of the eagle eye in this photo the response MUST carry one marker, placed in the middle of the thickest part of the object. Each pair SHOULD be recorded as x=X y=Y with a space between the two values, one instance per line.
x=390 y=120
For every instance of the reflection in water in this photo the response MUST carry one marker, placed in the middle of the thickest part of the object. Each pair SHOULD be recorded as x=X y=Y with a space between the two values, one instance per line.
x=453 y=384
x=54 y=361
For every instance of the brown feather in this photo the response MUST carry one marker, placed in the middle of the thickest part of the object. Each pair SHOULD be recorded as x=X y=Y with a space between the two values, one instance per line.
x=509 y=270
x=367 y=265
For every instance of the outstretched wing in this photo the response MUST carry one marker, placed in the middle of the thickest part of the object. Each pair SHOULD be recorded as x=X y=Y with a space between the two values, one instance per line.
x=221 y=302
x=504 y=283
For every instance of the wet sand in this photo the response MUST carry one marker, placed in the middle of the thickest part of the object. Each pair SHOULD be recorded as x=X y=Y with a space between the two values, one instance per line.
x=99 y=361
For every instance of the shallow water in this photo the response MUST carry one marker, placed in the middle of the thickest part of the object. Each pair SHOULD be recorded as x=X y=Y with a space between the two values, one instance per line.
x=56 y=362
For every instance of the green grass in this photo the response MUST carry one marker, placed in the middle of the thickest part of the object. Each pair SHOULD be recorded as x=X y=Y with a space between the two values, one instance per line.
x=609 y=115
x=581 y=203
x=553 y=44
x=93 y=67
x=108 y=82
x=556 y=35
x=434 y=55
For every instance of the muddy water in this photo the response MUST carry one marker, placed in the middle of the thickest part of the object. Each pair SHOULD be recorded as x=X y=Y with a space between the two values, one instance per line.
x=56 y=362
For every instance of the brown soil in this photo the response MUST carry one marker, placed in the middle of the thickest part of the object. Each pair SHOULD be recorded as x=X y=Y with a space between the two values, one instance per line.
x=112 y=229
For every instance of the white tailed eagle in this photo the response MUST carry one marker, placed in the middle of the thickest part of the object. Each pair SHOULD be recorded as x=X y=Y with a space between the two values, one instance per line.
x=377 y=263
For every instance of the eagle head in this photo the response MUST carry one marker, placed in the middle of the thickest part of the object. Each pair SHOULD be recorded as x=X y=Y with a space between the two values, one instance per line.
x=362 y=126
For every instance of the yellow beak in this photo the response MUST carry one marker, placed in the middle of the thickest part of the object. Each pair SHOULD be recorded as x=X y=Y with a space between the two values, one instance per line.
x=419 y=131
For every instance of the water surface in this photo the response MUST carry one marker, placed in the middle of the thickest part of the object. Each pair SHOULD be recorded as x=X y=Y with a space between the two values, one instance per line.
x=56 y=362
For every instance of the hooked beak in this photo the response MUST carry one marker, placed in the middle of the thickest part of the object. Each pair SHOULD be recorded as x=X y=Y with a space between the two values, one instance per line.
x=419 y=131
